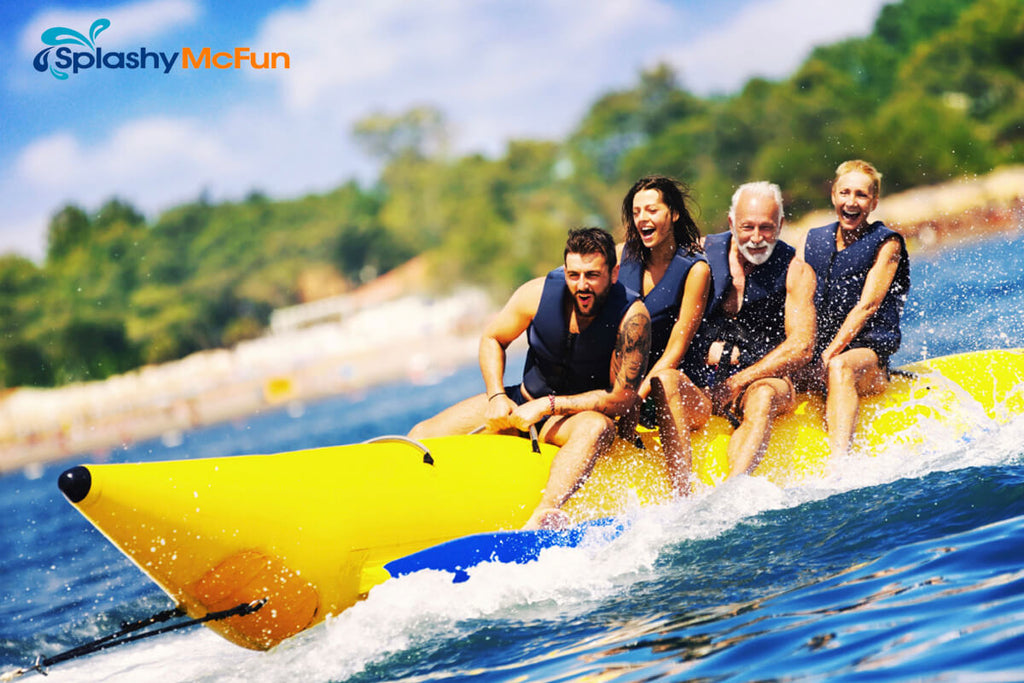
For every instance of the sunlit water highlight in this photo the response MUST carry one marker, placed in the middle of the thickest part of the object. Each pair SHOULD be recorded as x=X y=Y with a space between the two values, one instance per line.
x=889 y=567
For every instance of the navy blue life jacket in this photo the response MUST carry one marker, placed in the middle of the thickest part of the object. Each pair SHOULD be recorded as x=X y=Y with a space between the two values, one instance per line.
x=760 y=324
x=664 y=299
x=841 y=277
x=561 y=363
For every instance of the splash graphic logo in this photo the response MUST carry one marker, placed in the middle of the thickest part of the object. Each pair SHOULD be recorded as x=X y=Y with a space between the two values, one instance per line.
x=86 y=55
x=57 y=36
x=73 y=51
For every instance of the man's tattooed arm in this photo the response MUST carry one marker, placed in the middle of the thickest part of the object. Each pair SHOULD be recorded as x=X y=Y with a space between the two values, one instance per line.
x=629 y=362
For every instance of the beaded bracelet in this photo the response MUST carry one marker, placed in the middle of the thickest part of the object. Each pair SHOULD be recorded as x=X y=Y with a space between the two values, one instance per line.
x=551 y=399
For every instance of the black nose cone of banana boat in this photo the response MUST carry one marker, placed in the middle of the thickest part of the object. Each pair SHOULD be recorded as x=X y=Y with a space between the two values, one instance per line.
x=75 y=483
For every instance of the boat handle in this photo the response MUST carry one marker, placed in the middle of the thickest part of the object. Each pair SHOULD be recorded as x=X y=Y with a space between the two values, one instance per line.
x=396 y=438
x=428 y=459
x=534 y=439
x=535 y=442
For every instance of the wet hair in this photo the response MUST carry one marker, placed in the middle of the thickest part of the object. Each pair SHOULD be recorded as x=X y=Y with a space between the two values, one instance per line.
x=762 y=188
x=865 y=168
x=676 y=197
x=591 y=241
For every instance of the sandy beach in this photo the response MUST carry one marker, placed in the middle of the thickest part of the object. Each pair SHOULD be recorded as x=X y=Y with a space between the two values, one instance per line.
x=388 y=332
x=285 y=369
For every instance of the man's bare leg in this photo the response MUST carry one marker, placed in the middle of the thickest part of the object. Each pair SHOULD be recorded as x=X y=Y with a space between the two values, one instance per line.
x=851 y=374
x=583 y=437
x=681 y=409
x=763 y=401
x=461 y=418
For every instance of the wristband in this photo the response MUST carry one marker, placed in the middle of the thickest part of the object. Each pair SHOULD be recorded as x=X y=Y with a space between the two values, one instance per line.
x=500 y=393
x=551 y=400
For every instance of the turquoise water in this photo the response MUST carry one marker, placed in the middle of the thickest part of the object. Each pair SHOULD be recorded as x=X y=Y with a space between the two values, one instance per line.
x=890 y=568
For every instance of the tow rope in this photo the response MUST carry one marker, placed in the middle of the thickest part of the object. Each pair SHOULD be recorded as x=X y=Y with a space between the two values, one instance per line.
x=128 y=634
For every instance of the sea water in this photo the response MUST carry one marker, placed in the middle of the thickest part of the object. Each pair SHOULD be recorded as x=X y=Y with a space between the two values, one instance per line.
x=889 y=568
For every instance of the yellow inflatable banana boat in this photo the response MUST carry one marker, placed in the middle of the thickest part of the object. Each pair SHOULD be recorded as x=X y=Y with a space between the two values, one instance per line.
x=310 y=531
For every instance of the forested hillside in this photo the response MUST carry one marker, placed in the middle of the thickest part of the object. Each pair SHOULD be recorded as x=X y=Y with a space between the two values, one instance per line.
x=936 y=91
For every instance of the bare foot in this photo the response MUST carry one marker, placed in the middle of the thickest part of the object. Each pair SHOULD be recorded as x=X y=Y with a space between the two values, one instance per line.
x=548 y=518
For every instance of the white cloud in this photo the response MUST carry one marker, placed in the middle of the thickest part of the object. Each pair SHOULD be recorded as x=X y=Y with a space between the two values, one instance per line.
x=769 y=39
x=153 y=163
x=156 y=152
x=129 y=24
x=500 y=69
x=159 y=162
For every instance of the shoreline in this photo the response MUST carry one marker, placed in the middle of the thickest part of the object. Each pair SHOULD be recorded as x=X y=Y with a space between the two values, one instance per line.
x=389 y=338
x=167 y=417
x=41 y=426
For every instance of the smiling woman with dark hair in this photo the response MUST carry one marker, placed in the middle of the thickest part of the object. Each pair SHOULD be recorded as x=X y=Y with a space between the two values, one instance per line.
x=662 y=260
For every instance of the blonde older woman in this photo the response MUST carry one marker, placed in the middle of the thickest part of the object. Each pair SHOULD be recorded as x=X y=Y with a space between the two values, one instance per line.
x=863 y=277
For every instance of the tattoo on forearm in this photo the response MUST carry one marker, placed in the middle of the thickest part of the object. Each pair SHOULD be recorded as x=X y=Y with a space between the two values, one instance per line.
x=631 y=350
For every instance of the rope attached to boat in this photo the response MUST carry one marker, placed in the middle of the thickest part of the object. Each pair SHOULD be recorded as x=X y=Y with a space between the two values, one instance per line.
x=124 y=636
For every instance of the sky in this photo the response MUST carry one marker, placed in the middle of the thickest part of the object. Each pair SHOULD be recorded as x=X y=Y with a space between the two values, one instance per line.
x=498 y=69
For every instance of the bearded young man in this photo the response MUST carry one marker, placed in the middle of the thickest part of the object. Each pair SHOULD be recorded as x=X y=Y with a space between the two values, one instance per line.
x=588 y=343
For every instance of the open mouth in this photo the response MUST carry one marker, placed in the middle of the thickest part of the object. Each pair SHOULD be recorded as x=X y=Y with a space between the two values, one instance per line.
x=647 y=232
x=851 y=215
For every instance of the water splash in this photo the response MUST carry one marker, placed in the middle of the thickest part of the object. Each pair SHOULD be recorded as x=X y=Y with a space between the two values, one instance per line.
x=577 y=607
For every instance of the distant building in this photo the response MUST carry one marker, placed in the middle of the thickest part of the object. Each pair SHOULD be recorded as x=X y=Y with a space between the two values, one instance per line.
x=333 y=309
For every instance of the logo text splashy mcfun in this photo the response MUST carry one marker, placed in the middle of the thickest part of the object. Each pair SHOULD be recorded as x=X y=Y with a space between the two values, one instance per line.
x=69 y=50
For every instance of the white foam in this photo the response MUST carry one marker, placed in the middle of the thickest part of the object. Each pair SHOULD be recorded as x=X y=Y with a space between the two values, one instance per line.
x=192 y=656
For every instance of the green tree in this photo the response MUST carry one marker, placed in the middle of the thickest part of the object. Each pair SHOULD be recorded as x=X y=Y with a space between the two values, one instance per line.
x=21 y=361
x=621 y=123
x=68 y=229
x=975 y=68
x=420 y=132
x=922 y=140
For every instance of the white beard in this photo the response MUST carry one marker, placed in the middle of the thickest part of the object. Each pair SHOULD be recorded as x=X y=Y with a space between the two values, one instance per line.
x=757 y=258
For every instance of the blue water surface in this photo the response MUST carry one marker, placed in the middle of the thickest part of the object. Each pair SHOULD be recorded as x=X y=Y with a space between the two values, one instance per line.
x=890 y=570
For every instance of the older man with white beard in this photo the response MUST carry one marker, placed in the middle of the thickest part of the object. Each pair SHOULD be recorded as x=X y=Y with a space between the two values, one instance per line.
x=758 y=328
